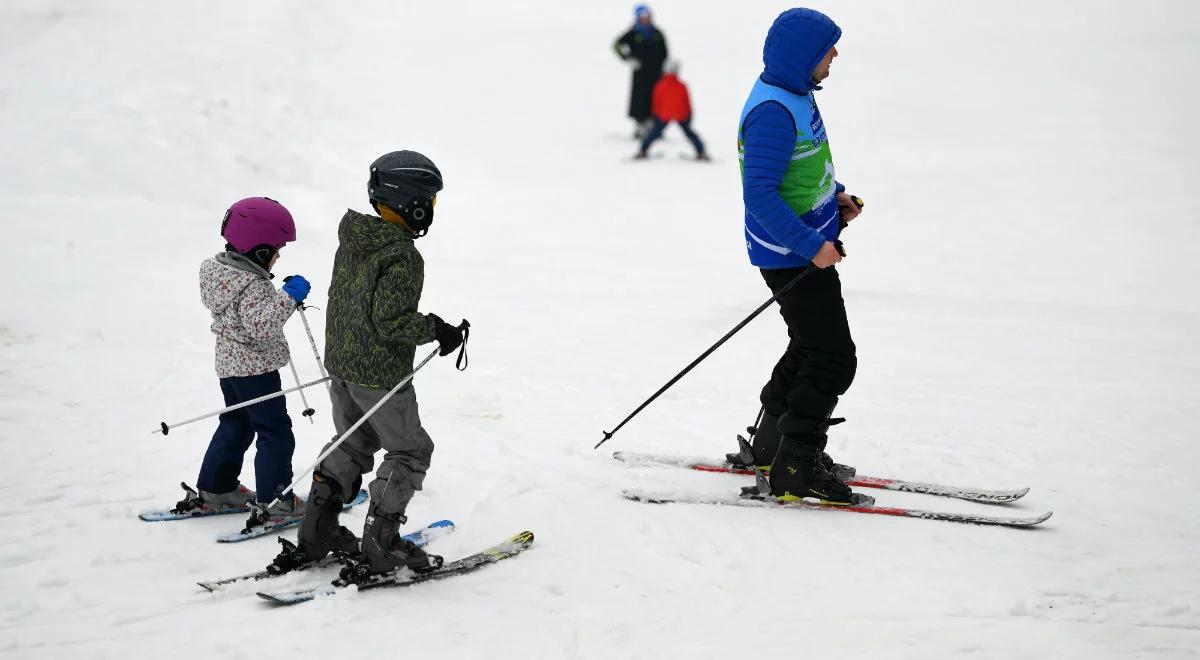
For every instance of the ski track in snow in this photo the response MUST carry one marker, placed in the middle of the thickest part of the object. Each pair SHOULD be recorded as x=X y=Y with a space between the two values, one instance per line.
x=1021 y=288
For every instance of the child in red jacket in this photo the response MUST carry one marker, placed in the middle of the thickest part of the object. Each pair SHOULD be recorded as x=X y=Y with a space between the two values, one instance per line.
x=671 y=104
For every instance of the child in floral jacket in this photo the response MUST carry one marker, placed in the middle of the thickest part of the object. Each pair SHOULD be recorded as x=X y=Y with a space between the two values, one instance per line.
x=248 y=316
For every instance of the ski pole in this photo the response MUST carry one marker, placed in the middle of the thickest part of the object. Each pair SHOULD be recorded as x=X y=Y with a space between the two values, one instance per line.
x=342 y=438
x=311 y=342
x=609 y=434
x=842 y=224
x=165 y=428
x=308 y=410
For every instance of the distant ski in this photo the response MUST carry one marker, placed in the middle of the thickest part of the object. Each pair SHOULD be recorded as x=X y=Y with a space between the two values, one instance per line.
x=639 y=495
x=509 y=548
x=421 y=537
x=861 y=481
x=257 y=532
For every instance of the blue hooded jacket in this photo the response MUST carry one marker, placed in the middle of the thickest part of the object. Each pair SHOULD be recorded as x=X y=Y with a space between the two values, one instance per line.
x=777 y=236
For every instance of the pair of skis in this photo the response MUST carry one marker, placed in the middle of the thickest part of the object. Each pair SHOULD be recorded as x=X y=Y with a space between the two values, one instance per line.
x=258 y=531
x=490 y=555
x=404 y=578
x=756 y=499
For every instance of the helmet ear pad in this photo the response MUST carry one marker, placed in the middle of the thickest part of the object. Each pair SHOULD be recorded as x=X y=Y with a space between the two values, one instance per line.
x=262 y=255
x=417 y=214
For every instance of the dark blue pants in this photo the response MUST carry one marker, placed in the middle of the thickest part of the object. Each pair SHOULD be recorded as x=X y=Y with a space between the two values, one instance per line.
x=660 y=126
x=269 y=421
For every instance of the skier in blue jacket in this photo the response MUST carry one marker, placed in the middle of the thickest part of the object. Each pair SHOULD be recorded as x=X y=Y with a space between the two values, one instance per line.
x=795 y=209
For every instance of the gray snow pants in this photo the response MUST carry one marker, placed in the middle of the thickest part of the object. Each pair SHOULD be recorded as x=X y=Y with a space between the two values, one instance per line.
x=396 y=428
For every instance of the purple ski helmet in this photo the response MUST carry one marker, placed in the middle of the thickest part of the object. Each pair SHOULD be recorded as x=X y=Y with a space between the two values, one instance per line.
x=258 y=221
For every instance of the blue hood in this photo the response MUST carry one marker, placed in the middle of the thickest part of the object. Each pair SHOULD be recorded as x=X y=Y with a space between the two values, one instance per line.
x=646 y=30
x=795 y=44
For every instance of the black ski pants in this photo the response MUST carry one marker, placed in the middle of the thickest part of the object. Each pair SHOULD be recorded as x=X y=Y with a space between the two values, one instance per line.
x=819 y=363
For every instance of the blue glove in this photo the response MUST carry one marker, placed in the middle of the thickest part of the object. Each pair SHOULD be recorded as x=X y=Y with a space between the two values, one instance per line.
x=297 y=287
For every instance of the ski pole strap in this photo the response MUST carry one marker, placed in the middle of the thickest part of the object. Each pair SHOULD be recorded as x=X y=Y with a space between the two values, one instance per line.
x=462 y=361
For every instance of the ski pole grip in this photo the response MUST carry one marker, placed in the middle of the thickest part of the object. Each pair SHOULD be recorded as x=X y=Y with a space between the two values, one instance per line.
x=299 y=305
x=842 y=224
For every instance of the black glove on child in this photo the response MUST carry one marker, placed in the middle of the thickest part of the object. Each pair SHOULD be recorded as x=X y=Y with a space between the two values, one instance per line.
x=448 y=336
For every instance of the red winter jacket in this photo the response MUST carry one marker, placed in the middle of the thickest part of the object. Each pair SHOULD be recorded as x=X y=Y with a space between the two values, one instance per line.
x=671 y=102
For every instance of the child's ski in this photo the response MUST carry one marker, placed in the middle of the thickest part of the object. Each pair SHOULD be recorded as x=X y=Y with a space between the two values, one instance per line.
x=421 y=538
x=160 y=515
x=163 y=515
x=509 y=548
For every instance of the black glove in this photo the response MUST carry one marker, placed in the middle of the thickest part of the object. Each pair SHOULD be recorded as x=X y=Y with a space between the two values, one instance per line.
x=448 y=336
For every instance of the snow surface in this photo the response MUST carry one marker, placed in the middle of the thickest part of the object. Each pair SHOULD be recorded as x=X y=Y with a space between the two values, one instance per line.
x=1022 y=289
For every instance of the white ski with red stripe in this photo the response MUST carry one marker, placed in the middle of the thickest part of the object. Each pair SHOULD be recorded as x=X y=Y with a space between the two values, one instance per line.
x=860 y=481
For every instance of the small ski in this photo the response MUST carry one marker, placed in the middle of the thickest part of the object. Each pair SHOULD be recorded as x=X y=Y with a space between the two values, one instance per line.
x=421 y=538
x=861 y=481
x=639 y=495
x=164 y=515
x=257 y=532
x=509 y=548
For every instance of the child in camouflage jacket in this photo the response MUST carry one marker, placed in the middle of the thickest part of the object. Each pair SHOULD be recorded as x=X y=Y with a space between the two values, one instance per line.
x=371 y=334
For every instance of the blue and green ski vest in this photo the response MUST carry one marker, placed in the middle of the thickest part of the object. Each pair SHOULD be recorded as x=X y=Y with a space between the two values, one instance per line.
x=809 y=187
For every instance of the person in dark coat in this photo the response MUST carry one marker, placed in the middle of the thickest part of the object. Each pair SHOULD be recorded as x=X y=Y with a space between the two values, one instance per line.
x=644 y=47
x=671 y=103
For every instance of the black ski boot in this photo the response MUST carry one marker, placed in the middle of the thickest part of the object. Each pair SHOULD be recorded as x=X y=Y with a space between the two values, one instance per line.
x=385 y=550
x=799 y=472
x=320 y=533
x=760 y=450
x=763 y=445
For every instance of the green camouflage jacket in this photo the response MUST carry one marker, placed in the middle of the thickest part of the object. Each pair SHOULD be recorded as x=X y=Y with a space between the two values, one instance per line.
x=372 y=327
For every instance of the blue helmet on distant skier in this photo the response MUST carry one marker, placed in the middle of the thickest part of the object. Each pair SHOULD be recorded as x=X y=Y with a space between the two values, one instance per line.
x=641 y=11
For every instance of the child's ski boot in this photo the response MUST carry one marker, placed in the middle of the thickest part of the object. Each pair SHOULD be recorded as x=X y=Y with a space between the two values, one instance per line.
x=385 y=550
x=320 y=533
x=204 y=503
x=287 y=512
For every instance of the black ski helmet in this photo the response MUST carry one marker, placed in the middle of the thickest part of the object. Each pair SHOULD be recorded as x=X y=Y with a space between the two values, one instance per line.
x=406 y=182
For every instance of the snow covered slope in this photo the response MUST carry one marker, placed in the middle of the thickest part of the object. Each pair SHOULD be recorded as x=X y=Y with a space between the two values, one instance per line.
x=1022 y=289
